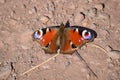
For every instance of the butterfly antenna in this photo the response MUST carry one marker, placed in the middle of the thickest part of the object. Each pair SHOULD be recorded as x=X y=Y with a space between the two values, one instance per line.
x=41 y=63
x=80 y=57
x=98 y=46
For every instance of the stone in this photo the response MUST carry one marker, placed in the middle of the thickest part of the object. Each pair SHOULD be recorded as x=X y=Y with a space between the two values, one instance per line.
x=92 y=12
x=79 y=17
x=99 y=6
x=44 y=19
x=104 y=16
x=5 y=70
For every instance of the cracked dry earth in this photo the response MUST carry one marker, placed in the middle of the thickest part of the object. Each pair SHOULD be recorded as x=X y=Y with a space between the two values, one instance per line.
x=18 y=52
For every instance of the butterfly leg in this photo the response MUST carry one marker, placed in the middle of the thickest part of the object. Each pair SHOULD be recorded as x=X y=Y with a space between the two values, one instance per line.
x=80 y=57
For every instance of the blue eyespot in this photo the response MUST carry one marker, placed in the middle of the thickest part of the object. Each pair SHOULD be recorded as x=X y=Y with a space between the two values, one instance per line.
x=86 y=35
x=37 y=34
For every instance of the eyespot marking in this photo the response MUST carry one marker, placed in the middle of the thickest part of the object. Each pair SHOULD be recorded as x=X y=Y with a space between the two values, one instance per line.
x=86 y=35
x=38 y=34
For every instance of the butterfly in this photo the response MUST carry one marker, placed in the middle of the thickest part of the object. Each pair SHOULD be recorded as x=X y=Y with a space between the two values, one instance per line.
x=65 y=38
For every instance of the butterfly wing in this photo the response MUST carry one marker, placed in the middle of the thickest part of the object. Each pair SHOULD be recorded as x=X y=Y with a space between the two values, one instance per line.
x=47 y=38
x=74 y=37
x=67 y=39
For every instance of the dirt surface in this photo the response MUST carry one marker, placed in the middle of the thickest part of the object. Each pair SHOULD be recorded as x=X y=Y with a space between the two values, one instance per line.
x=18 y=52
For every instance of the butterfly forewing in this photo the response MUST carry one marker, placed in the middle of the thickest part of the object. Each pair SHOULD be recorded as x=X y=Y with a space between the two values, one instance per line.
x=49 y=39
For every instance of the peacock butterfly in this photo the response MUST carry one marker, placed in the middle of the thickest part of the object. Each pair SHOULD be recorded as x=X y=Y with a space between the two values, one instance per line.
x=64 y=37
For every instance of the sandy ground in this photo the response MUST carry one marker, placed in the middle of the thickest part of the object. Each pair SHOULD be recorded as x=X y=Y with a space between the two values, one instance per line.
x=18 y=52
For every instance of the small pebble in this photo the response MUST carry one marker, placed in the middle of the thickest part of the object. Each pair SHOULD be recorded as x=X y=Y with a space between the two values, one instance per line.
x=13 y=21
x=51 y=6
x=71 y=6
x=46 y=67
x=33 y=10
x=93 y=25
x=92 y=12
x=90 y=0
x=104 y=16
x=67 y=63
x=5 y=70
x=99 y=6
x=108 y=59
x=83 y=70
x=33 y=0
x=111 y=65
x=24 y=6
x=114 y=54
x=88 y=76
x=79 y=17
x=86 y=1
x=115 y=75
x=44 y=19
x=85 y=22
x=13 y=12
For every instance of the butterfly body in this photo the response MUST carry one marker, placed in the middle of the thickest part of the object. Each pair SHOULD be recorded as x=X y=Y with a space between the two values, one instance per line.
x=67 y=39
